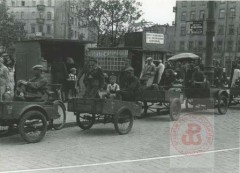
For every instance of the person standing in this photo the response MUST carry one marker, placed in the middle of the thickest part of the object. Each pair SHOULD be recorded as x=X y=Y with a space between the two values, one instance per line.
x=148 y=72
x=160 y=70
x=4 y=78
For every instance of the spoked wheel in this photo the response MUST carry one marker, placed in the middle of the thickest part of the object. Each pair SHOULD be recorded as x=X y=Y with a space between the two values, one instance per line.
x=189 y=104
x=59 y=122
x=4 y=130
x=222 y=104
x=33 y=126
x=85 y=121
x=175 y=109
x=123 y=121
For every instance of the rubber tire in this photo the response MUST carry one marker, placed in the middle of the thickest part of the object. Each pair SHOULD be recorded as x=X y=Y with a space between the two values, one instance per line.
x=21 y=124
x=81 y=125
x=173 y=103
x=64 y=118
x=116 y=118
x=224 y=98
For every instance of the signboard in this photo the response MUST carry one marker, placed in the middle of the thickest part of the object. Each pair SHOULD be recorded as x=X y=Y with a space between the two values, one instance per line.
x=195 y=27
x=154 y=38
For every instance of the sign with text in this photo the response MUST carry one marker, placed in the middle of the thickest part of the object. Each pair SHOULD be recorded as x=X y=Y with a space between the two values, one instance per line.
x=154 y=38
x=195 y=27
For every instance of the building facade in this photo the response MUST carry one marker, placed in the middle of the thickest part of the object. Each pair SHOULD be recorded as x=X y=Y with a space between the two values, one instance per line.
x=51 y=19
x=190 y=30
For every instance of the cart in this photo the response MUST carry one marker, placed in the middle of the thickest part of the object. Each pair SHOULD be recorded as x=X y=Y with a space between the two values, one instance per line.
x=31 y=118
x=234 y=96
x=170 y=100
x=89 y=111
x=207 y=98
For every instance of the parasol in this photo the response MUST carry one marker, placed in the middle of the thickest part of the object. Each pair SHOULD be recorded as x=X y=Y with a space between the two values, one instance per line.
x=184 y=56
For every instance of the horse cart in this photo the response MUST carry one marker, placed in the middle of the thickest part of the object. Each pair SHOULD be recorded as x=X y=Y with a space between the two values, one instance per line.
x=207 y=98
x=33 y=117
x=169 y=100
x=89 y=111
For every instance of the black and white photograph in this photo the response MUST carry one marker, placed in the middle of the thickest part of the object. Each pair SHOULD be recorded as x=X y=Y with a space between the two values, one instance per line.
x=119 y=86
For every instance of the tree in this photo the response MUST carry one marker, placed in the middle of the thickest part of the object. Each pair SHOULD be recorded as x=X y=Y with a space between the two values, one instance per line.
x=111 y=18
x=10 y=29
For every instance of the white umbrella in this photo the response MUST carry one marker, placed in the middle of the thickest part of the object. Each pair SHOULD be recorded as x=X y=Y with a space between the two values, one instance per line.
x=183 y=56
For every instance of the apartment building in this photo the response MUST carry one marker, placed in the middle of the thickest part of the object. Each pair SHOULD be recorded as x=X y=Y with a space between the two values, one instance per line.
x=51 y=19
x=190 y=29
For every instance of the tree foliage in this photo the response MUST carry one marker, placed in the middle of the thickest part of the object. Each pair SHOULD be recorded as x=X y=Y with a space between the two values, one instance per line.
x=111 y=18
x=10 y=29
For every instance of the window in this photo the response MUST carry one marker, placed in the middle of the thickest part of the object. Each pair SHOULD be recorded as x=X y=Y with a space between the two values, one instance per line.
x=49 y=2
x=193 y=3
x=75 y=34
x=229 y=45
x=33 y=28
x=183 y=30
x=201 y=14
x=22 y=15
x=190 y=45
x=192 y=15
x=41 y=15
x=231 y=29
x=23 y=3
x=222 y=2
x=203 y=3
x=221 y=13
x=13 y=3
x=232 y=13
x=220 y=29
x=34 y=3
x=40 y=28
x=17 y=15
x=49 y=29
x=184 y=3
x=49 y=16
x=219 y=45
x=184 y=16
x=182 y=45
x=33 y=14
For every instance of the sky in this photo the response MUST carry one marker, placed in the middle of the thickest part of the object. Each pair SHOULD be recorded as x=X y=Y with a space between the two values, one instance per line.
x=158 y=11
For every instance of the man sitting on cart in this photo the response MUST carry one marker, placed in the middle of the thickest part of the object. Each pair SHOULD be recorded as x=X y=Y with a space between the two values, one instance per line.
x=94 y=79
x=34 y=89
x=131 y=86
x=198 y=78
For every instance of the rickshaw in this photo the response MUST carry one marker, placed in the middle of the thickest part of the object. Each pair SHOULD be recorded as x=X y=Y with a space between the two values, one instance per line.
x=32 y=118
x=203 y=96
x=120 y=113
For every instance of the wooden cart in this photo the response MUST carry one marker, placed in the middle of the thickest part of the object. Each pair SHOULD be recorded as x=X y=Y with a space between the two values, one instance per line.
x=170 y=100
x=89 y=111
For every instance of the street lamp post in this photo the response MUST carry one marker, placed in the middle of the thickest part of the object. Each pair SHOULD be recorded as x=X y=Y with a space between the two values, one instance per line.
x=209 y=70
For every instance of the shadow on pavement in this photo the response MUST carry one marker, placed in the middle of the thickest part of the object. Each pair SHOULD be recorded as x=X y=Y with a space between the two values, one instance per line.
x=97 y=132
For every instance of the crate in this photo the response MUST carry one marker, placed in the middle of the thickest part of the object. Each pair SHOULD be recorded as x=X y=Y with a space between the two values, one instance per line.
x=93 y=106
x=153 y=95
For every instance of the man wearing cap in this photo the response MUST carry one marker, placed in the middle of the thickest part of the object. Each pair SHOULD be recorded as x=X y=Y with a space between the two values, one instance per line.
x=4 y=78
x=35 y=87
x=131 y=86
x=148 y=72
x=94 y=79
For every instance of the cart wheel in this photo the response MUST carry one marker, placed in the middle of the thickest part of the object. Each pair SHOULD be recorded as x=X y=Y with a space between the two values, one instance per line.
x=4 y=130
x=85 y=121
x=33 y=126
x=222 y=104
x=175 y=109
x=60 y=122
x=123 y=121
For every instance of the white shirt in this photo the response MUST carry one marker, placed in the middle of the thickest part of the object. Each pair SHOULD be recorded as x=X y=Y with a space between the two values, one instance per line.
x=115 y=87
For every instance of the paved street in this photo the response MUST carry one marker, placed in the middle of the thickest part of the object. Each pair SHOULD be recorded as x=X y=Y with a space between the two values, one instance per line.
x=147 y=148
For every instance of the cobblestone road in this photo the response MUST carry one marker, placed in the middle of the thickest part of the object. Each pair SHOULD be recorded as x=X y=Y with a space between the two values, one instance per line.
x=147 y=148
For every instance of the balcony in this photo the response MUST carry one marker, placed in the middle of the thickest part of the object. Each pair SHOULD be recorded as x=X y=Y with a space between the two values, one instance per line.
x=40 y=20
x=41 y=7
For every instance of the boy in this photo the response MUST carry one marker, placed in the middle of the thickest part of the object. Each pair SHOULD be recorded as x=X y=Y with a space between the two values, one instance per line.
x=71 y=82
x=113 y=87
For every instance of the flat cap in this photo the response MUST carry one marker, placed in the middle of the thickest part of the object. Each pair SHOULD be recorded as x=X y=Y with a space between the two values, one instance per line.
x=129 y=69
x=37 y=67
